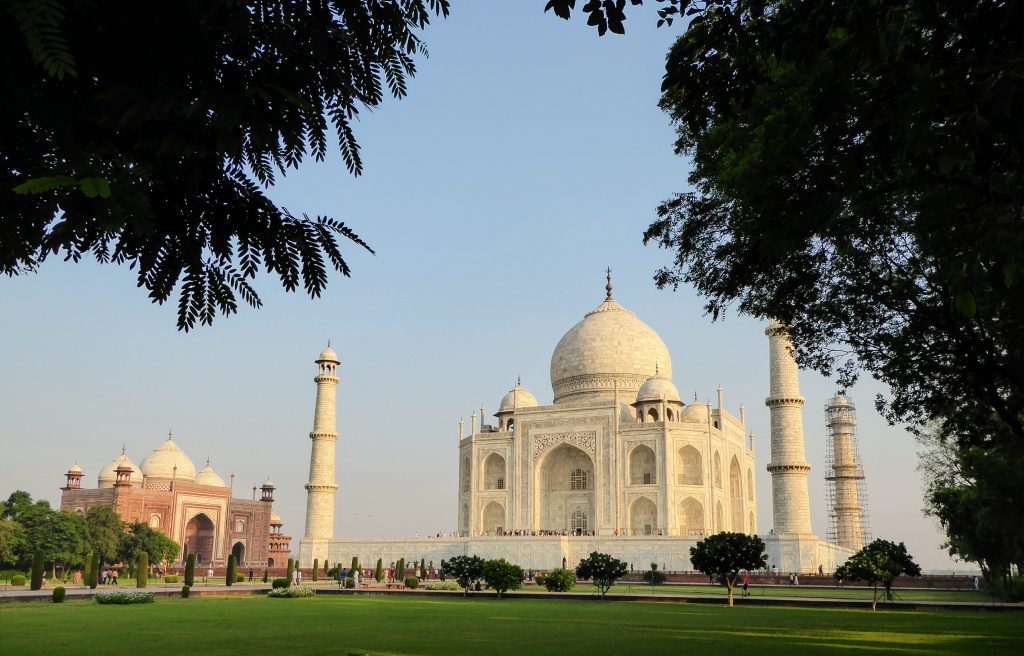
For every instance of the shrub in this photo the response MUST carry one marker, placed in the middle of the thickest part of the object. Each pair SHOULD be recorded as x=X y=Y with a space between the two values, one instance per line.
x=291 y=570
x=94 y=572
x=654 y=577
x=239 y=578
x=58 y=594
x=171 y=578
x=141 y=571
x=316 y=569
x=190 y=570
x=186 y=590
x=559 y=580
x=123 y=598
x=350 y=582
x=442 y=586
x=87 y=574
x=412 y=582
x=230 y=578
x=355 y=565
x=378 y=571
x=503 y=575
x=540 y=579
x=265 y=576
x=279 y=583
x=291 y=593
x=18 y=579
x=37 y=571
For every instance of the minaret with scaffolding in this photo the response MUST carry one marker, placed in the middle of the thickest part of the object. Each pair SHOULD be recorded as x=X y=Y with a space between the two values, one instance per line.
x=844 y=477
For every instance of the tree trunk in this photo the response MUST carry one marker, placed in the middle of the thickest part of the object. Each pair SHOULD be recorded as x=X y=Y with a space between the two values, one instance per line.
x=874 y=598
x=730 y=582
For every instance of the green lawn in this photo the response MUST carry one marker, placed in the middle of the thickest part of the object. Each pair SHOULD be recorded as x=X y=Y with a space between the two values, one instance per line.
x=517 y=627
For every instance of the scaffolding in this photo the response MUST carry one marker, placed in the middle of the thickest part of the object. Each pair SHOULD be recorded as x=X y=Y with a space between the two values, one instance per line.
x=844 y=473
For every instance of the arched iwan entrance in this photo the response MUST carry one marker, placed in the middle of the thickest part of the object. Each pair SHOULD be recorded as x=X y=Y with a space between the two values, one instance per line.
x=238 y=551
x=565 y=495
x=199 y=532
x=493 y=518
x=643 y=517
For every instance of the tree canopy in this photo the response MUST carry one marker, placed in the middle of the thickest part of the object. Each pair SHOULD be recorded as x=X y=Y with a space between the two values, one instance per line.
x=727 y=554
x=604 y=570
x=105 y=531
x=502 y=575
x=879 y=562
x=146 y=134
x=140 y=538
x=464 y=569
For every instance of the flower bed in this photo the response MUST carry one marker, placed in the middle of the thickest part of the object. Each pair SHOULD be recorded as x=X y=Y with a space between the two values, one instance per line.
x=442 y=586
x=291 y=593
x=124 y=597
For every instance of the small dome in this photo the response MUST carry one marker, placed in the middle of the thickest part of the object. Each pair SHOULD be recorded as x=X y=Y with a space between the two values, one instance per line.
x=609 y=348
x=840 y=400
x=657 y=388
x=209 y=477
x=75 y=469
x=268 y=483
x=162 y=462
x=518 y=397
x=328 y=355
x=275 y=518
x=108 y=475
x=694 y=412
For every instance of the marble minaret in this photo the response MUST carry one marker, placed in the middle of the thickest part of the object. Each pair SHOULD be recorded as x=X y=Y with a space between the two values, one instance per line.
x=791 y=509
x=846 y=473
x=321 y=487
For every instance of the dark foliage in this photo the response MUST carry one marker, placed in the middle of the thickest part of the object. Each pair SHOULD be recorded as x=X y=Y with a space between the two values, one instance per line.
x=144 y=134
x=604 y=570
x=190 y=570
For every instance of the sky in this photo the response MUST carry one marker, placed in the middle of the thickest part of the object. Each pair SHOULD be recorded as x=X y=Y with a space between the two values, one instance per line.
x=528 y=156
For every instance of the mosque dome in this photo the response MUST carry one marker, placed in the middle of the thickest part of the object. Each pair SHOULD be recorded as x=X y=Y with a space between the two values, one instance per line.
x=518 y=397
x=610 y=345
x=108 y=475
x=840 y=401
x=75 y=469
x=275 y=518
x=656 y=388
x=209 y=477
x=268 y=483
x=327 y=355
x=694 y=412
x=163 y=460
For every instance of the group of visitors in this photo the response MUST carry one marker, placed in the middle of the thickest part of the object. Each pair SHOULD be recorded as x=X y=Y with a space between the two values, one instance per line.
x=522 y=533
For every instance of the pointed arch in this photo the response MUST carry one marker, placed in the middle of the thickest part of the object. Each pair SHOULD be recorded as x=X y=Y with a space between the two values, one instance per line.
x=652 y=414
x=642 y=469
x=690 y=517
x=736 y=495
x=492 y=518
x=494 y=472
x=466 y=475
x=752 y=525
x=717 y=470
x=689 y=466
x=719 y=517
x=643 y=517
x=565 y=480
x=750 y=485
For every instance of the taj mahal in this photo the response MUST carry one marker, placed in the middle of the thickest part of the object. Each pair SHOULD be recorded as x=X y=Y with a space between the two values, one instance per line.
x=616 y=463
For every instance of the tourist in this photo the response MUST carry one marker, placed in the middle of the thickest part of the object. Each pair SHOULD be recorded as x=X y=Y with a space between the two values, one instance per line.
x=344 y=574
x=821 y=570
x=113 y=576
x=78 y=577
x=796 y=579
x=355 y=577
x=976 y=583
x=250 y=575
x=209 y=575
x=746 y=583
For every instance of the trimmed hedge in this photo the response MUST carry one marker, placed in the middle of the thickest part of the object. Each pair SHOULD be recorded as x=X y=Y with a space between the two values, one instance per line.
x=280 y=583
x=58 y=594
x=350 y=582
x=291 y=593
x=18 y=579
x=316 y=569
x=265 y=576
x=231 y=577
x=378 y=571
x=186 y=590
x=560 y=580
x=94 y=572
x=87 y=574
x=37 y=571
x=291 y=569
x=412 y=582
x=123 y=598
x=239 y=578
x=190 y=570
x=141 y=576
x=171 y=578
x=442 y=586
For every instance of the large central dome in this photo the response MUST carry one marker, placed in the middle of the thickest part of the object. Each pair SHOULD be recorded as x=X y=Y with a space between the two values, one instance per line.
x=609 y=346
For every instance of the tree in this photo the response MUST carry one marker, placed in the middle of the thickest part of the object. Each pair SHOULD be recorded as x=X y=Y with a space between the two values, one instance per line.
x=291 y=571
x=229 y=578
x=37 y=571
x=502 y=575
x=141 y=569
x=602 y=569
x=190 y=570
x=116 y=150
x=378 y=571
x=316 y=569
x=879 y=562
x=465 y=570
x=66 y=539
x=726 y=554
x=94 y=571
x=11 y=541
x=141 y=538
x=34 y=518
x=104 y=530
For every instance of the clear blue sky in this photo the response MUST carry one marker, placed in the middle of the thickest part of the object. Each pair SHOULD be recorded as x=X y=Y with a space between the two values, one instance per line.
x=529 y=155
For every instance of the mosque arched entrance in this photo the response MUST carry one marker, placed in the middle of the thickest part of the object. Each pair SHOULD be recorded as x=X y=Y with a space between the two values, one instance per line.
x=238 y=551
x=199 y=533
x=565 y=491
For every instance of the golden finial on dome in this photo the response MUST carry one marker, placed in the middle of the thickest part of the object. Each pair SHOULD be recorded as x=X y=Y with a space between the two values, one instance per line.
x=608 y=287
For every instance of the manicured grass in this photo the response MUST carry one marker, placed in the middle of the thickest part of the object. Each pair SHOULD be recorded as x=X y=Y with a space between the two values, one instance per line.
x=516 y=627
x=792 y=591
